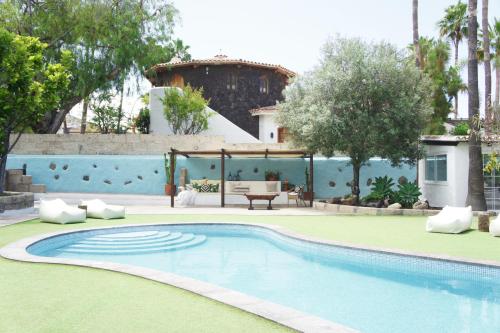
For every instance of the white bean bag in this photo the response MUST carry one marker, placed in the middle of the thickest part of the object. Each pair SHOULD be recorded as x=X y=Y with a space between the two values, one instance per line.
x=98 y=209
x=186 y=198
x=57 y=211
x=450 y=220
x=495 y=227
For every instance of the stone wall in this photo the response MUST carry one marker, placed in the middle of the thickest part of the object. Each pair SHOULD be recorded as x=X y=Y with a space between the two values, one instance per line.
x=124 y=144
x=16 y=200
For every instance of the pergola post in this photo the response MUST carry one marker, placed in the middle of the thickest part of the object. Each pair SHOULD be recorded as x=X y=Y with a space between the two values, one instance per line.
x=311 y=178
x=222 y=172
x=171 y=178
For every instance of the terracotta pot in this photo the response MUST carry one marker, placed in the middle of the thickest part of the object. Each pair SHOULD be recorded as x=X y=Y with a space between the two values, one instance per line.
x=168 y=189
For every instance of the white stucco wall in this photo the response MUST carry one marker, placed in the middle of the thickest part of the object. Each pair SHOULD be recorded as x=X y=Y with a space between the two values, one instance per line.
x=267 y=125
x=453 y=192
x=217 y=124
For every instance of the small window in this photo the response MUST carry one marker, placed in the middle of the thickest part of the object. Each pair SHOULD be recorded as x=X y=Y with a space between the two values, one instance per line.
x=436 y=168
x=263 y=85
x=232 y=81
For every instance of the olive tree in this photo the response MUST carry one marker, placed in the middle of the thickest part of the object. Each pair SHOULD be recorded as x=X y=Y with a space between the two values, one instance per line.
x=362 y=100
x=28 y=88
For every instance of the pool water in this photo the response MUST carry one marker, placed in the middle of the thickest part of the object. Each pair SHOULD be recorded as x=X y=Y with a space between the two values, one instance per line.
x=365 y=290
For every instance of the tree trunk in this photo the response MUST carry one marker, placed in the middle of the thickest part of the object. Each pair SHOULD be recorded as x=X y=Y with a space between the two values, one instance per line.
x=83 y=127
x=356 y=166
x=475 y=194
x=456 y=65
x=487 y=70
x=120 y=109
x=416 y=45
x=497 y=82
x=3 y=162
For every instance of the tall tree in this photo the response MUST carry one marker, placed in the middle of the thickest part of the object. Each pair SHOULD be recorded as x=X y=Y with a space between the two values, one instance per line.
x=359 y=100
x=28 y=87
x=125 y=37
x=488 y=112
x=415 y=32
x=446 y=80
x=453 y=26
x=495 y=46
x=475 y=193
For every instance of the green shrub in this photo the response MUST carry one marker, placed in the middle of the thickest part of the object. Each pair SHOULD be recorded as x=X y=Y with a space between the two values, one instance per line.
x=461 y=129
x=381 y=189
x=407 y=195
x=142 y=121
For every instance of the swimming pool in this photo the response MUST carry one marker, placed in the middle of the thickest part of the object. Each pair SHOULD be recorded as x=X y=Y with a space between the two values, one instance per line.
x=366 y=290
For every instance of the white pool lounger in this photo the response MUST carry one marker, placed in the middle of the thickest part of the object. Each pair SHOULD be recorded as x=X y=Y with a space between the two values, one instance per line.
x=450 y=220
x=57 y=211
x=98 y=209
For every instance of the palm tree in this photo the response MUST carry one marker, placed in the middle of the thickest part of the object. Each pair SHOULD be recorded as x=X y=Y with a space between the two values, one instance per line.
x=494 y=54
x=475 y=193
x=415 y=33
x=454 y=27
x=487 y=69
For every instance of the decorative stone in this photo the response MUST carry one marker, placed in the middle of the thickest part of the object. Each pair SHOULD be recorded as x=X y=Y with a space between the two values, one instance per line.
x=369 y=182
x=65 y=167
x=127 y=182
x=116 y=167
x=212 y=166
x=402 y=180
x=52 y=166
x=421 y=204
x=396 y=205
x=86 y=178
x=339 y=169
x=56 y=177
x=336 y=200
x=107 y=181
x=94 y=165
x=483 y=222
x=348 y=184
x=156 y=171
x=255 y=170
x=331 y=183
x=139 y=177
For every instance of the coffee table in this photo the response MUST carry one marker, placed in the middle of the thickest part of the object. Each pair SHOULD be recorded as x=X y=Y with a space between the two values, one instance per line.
x=256 y=196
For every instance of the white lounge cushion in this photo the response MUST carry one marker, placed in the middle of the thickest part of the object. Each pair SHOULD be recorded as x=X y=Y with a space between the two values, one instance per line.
x=495 y=227
x=451 y=220
x=186 y=198
x=57 y=211
x=98 y=209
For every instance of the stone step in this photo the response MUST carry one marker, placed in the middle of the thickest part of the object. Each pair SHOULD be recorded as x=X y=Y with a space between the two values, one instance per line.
x=38 y=188
x=26 y=180
x=21 y=188
x=12 y=172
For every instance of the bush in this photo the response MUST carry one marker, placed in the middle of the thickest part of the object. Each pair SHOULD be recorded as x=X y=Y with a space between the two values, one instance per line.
x=407 y=195
x=142 y=121
x=381 y=189
x=461 y=129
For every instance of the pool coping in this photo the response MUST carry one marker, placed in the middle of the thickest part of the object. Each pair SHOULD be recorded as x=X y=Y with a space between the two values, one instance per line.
x=283 y=315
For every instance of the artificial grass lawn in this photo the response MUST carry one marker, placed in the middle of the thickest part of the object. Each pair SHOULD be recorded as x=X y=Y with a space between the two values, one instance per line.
x=56 y=298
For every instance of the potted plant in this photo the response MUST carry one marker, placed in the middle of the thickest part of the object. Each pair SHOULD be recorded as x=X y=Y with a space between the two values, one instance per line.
x=168 y=188
x=271 y=175
x=308 y=195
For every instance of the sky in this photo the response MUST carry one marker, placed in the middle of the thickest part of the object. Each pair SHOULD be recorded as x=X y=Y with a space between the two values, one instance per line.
x=291 y=32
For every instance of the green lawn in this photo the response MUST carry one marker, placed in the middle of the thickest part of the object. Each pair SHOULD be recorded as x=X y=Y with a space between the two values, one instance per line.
x=54 y=298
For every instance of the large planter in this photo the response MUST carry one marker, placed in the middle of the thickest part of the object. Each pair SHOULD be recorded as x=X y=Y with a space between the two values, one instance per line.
x=16 y=200
x=168 y=189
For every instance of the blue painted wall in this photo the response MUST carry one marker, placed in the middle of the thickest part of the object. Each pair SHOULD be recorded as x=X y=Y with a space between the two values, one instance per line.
x=146 y=175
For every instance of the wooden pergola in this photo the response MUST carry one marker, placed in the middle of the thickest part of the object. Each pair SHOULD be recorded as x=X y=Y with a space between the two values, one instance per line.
x=223 y=153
